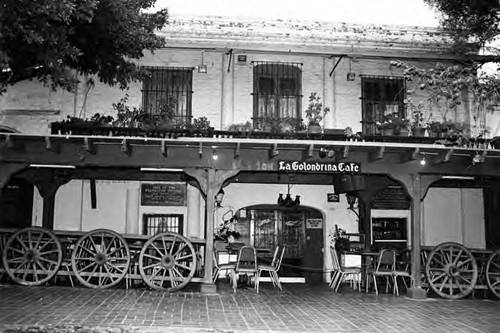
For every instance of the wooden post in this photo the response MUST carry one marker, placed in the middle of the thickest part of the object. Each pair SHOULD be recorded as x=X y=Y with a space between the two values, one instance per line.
x=416 y=186
x=48 y=182
x=210 y=182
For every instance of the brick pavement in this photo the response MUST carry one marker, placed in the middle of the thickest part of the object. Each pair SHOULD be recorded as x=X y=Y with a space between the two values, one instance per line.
x=298 y=308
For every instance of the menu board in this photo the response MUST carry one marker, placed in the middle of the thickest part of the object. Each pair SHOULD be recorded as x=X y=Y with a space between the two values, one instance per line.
x=163 y=195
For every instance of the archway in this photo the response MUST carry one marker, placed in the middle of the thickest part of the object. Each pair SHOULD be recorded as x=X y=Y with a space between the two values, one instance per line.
x=298 y=227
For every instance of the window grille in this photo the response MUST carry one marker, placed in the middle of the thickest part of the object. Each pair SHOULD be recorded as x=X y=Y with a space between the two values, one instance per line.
x=277 y=91
x=381 y=95
x=168 y=86
x=157 y=223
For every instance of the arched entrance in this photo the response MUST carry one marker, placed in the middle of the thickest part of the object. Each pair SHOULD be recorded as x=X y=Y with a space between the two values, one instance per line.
x=300 y=228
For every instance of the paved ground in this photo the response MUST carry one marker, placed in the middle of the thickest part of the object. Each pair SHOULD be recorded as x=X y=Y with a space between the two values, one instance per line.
x=298 y=308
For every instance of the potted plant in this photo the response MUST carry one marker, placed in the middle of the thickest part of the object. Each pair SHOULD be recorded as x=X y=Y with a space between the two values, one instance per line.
x=418 y=124
x=315 y=113
x=437 y=128
x=339 y=239
x=225 y=232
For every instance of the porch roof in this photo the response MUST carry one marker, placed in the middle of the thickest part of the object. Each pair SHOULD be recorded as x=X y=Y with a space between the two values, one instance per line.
x=244 y=154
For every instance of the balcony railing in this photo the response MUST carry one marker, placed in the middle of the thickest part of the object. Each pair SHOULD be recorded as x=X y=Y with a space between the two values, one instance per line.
x=63 y=128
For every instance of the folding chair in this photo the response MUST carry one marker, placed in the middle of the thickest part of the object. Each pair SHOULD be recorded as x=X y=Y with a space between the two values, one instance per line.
x=273 y=268
x=246 y=264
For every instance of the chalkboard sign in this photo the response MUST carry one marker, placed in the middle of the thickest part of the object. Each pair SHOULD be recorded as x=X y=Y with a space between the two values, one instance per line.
x=163 y=195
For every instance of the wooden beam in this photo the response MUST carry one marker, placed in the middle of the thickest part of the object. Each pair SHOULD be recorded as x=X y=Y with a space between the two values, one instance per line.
x=9 y=142
x=164 y=149
x=310 y=150
x=274 y=151
x=88 y=145
x=345 y=152
x=443 y=156
x=237 y=150
x=377 y=155
x=126 y=147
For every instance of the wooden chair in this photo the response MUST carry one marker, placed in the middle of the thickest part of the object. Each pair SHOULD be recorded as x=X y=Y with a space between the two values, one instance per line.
x=273 y=268
x=246 y=264
x=340 y=273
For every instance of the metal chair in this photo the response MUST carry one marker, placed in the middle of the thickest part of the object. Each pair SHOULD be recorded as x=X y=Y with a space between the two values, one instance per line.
x=340 y=273
x=230 y=266
x=273 y=268
x=385 y=267
x=246 y=264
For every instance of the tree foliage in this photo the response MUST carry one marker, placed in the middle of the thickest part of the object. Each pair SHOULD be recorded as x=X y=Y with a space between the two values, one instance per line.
x=52 y=40
x=471 y=22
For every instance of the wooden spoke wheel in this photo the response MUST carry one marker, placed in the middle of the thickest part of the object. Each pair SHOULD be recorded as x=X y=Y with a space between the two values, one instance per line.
x=451 y=270
x=32 y=256
x=493 y=273
x=100 y=258
x=167 y=261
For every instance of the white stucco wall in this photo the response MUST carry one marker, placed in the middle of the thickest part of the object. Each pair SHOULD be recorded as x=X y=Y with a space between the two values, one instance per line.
x=454 y=215
x=118 y=208
x=223 y=97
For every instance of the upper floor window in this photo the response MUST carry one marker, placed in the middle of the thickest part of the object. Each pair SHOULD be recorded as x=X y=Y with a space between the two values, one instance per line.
x=381 y=95
x=168 y=87
x=277 y=91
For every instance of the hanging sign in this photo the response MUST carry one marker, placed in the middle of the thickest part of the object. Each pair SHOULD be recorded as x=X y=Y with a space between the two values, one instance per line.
x=163 y=195
x=325 y=167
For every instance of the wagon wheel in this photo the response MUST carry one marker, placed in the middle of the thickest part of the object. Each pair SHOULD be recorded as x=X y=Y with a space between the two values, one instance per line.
x=32 y=256
x=451 y=270
x=100 y=258
x=493 y=273
x=167 y=261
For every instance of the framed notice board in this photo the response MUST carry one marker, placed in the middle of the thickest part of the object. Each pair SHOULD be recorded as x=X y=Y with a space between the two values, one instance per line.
x=163 y=195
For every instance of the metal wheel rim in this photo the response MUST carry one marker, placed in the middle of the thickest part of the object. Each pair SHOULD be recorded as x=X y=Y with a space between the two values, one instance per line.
x=32 y=256
x=100 y=259
x=493 y=273
x=451 y=270
x=167 y=261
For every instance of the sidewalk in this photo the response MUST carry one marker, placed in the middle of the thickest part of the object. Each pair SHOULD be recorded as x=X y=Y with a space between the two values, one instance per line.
x=298 y=308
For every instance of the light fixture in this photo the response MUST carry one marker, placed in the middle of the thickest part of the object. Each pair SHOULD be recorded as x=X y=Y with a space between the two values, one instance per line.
x=351 y=200
x=218 y=197
x=288 y=201
x=215 y=157
x=350 y=75
x=55 y=166
x=202 y=68
x=477 y=158
x=161 y=170
x=422 y=160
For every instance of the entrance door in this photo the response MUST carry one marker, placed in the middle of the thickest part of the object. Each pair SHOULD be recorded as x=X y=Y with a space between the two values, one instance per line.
x=300 y=228
x=313 y=258
x=16 y=204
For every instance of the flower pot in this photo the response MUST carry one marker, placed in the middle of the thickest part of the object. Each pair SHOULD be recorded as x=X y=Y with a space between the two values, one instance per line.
x=314 y=128
x=404 y=132
x=420 y=132
x=387 y=131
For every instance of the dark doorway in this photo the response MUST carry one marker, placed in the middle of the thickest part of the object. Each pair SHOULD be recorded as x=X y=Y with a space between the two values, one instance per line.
x=16 y=204
x=300 y=228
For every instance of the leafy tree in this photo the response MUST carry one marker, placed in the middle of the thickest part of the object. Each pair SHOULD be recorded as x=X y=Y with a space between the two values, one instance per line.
x=52 y=40
x=471 y=22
